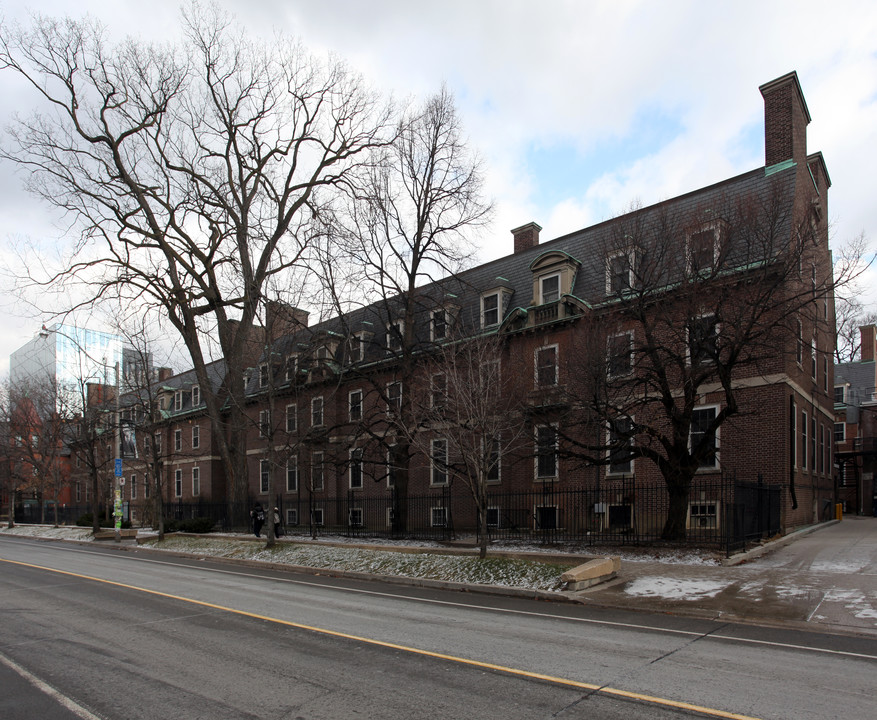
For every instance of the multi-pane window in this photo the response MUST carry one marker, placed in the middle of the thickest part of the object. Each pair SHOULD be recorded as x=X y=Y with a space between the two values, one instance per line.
x=196 y=395
x=196 y=437
x=317 y=517
x=703 y=334
x=317 y=471
x=133 y=481
x=493 y=462
x=438 y=462
x=703 y=436
x=439 y=324
x=394 y=398
x=291 y=517
x=355 y=468
x=317 y=411
x=264 y=476
x=196 y=481
x=438 y=517
x=490 y=310
x=825 y=374
x=178 y=483
x=813 y=358
x=840 y=432
x=620 y=355
x=292 y=474
x=546 y=366
x=804 y=426
x=264 y=423
x=619 y=273
x=395 y=335
x=546 y=452
x=355 y=405
x=263 y=375
x=620 y=446
x=291 y=418
x=549 y=288
x=813 y=465
x=178 y=440
x=839 y=394
x=354 y=517
x=799 y=342
x=178 y=400
x=701 y=251
x=291 y=367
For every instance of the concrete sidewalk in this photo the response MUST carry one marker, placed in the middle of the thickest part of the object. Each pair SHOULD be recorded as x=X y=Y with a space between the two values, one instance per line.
x=825 y=580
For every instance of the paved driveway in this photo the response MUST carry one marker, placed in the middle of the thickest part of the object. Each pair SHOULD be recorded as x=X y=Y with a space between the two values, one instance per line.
x=826 y=579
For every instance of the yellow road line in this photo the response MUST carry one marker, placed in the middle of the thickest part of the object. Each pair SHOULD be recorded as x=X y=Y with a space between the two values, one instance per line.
x=405 y=648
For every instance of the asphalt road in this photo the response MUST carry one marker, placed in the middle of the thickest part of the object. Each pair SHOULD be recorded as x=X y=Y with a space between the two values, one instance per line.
x=143 y=635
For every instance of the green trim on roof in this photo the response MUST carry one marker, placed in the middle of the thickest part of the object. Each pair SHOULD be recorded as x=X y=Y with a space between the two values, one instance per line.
x=779 y=167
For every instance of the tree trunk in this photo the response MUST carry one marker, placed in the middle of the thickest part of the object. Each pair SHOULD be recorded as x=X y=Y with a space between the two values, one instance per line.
x=677 y=511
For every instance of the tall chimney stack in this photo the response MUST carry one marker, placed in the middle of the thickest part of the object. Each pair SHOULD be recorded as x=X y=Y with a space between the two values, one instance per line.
x=868 y=334
x=526 y=236
x=785 y=120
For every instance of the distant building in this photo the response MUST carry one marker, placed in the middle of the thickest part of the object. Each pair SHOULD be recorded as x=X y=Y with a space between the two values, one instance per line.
x=855 y=427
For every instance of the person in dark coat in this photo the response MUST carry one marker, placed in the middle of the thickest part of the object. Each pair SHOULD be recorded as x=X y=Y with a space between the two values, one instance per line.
x=258 y=516
x=278 y=531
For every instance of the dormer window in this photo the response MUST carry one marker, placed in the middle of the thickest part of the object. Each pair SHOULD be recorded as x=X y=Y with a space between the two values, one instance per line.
x=549 y=288
x=490 y=310
x=395 y=335
x=291 y=367
x=322 y=353
x=439 y=324
x=619 y=273
x=196 y=395
x=263 y=375
x=701 y=251
x=178 y=400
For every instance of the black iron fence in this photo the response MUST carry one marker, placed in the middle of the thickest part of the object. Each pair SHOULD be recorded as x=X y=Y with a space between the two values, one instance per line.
x=721 y=512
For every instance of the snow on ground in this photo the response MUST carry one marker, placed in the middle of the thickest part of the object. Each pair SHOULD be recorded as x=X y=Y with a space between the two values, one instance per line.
x=674 y=588
x=47 y=531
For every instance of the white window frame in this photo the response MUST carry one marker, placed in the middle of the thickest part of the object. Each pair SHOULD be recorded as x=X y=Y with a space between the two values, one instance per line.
x=716 y=440
x=354 y=417
x=196 y=481
x=292 y=472
x=355 y=517
x=843 y=432
x=439 y=469
x=264 y=476
x=805 y=425
x=178 y=483
x=292 y=414
x=318 y=517
x=355 y=467
x=438 y=516
x=291 y=367
x=630 y=256
x=394 y=402
x=133 y=481
x=196 y=437
x=318 y=412
x=291 y=517
x=391 y=475
x=498 y=310
x=611 y=355
x=196 y=395
x=178 y=400
x=497 y=445
x=542 y=279
x=537 y=367
x=843 y=394
x=178 y=440
x=438 y=312
x=813 y=361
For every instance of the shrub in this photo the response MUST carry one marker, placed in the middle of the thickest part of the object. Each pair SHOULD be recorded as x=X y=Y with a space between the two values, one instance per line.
x=86 y=520
x=194 y=525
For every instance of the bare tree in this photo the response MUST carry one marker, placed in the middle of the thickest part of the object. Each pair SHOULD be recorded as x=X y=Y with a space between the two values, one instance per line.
x=699 y=300
x=193 y=173
x=464 y=402
x=409 y=224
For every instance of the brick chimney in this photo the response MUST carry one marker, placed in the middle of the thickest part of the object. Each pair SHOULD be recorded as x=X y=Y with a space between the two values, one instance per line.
x=785 y=120
x=526 y=236
x=868 y=334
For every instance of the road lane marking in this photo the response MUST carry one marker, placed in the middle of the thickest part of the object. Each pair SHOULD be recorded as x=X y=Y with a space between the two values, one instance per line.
x=327 y=572
x=59 y=697
x=517 y=672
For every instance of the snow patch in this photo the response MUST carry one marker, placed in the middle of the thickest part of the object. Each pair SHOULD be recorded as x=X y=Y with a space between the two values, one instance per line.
x=674 y=588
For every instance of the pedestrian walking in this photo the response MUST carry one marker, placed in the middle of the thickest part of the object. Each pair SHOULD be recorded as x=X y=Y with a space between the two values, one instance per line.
x=278 y=531
x=258 y=516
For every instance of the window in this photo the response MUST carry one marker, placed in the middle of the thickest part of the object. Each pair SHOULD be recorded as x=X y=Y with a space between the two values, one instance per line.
x=264 y=423
x=196 y=395
x=493 y=462
x=292 y=474
x=546 y=517
x=291 y=517
x=546 y=366
x=355 y=468
x=793 y=431
x=821 y=448
x=840 y=432
x=813 y=466
x=323 y=353
x=804 y=427
x=146 y=488
x=439 y=324
x=291 y=418
x=354 y=404
x=825 y=374
x=619 y=274
x=317 y=517
x=839 y=394
x=493 y=517
x=196 y=481
x=316 y=411
x=701 y=251
x=799 y=342
x=621 y=446
x=133 y=481
x=703 y=334
x=391 y=469
x=813 y=358
x=264 y=476
x=291 y=367
x=178 y=400
x=546 y=452
x=78 y=492
x=395 y=335
x=263 y=375
x=490 y=310
x=549 y=288
x=317 y=471
x=438 y=517
x=394 y=398
x=178 y=483
x=438 y=462
x=196 y=437
x=620 y=354
x=178 y=440
x=438 y=391
x=354 y=517
x=702 y=516
x=703 y=436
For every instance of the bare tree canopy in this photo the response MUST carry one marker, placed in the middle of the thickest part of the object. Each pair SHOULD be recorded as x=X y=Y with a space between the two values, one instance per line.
x=192 y=172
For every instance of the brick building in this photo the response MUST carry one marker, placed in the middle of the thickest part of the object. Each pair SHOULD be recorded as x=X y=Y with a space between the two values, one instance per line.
x=691 y=339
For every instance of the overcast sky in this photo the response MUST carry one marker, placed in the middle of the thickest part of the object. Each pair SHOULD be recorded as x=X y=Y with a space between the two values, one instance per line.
x=578 y=108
